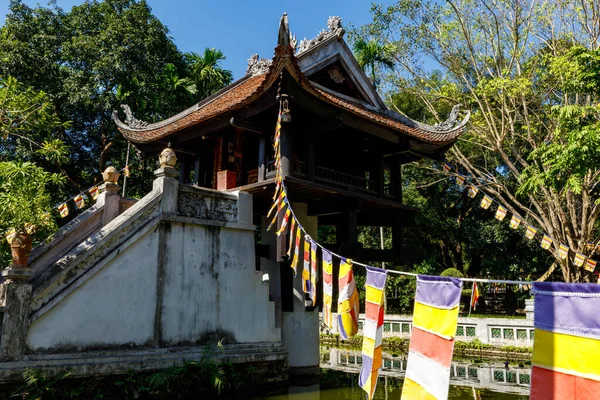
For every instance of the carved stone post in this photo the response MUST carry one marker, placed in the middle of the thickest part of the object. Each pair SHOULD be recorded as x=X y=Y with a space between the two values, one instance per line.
x=16 y=299
x=108 y=195
x=167 y=180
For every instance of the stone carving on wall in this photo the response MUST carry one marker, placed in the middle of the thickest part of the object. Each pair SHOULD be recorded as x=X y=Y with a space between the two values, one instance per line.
x=450 y=122
x=130 y=120
x=334 y=26
x=258 y=66
x=203 y=206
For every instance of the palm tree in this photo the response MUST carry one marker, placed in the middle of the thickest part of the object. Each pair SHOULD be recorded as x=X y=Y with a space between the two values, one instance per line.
x=206 y=71
x=371 y=53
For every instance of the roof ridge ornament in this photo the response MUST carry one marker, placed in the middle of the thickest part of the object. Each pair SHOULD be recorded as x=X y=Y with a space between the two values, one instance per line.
x=283 y=38
x=258 y=66
x=450 y=122
x=334 y=26
x=130 y=120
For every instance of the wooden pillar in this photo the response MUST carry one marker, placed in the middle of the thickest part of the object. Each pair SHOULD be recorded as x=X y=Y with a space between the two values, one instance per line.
x=396 y=179
x=197 y=179
x=397 y=238
x=184 y=170
x=347 y=235
x=286 y=150
x=238 y=154
x=262 y=157
x=311 y=158
x=382 y=177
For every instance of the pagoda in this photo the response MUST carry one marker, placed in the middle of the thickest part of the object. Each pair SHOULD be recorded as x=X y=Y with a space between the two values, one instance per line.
x=342 y=151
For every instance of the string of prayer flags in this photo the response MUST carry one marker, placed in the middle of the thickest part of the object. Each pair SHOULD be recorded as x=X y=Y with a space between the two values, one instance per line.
x=546 y=242
x=567 y=341
x=500 y=213
x=373 y=330
x=348 y=301
x=306 y=270
x=10 y=235
x=93 y=192
x=486 y=202
x=435 y=319
x=277 y=203
x=286 y=219
x=530 y=232
x=327 y=288
x=79 y=201
x=472 y=191
x=296 y=258
x=126 y=171
x=313 y=272
x=590 y=265
x=447 y=167
x=515 y=221
x=280 y=207
x=579 y=259
x=563 y=251
x=460 y=180
x=63 y=209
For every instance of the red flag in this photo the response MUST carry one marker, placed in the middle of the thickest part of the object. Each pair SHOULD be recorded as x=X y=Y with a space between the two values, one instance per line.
x=475 y=296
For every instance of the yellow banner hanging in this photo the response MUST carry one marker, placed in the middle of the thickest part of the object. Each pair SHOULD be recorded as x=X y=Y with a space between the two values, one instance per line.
x=472 y=191
x=590 y=265
x=63 y=209
x=546 y=242
x=515 y=221
x=500 y=213
x=530 y=232
x=563 y=251
x=579 y=259
x=79 y=201
x=94 y=192
x=486 y=202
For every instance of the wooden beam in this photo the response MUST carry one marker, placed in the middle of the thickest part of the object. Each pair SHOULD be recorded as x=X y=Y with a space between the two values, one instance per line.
x=262 y=158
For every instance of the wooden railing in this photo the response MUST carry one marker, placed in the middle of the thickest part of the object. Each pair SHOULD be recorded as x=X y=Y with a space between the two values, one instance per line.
x=347 y=180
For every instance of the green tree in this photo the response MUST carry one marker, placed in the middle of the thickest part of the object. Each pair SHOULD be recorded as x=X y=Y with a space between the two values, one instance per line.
x=206 y=71
x=528 y=73
x=371 y=54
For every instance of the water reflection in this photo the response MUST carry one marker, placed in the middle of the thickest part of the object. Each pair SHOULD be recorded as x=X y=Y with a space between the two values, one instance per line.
x=339 y=380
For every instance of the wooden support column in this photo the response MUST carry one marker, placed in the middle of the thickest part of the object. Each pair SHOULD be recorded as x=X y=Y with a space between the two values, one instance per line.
x=184 y=170
x=397 y=238
x=286 y=150
x=347 y=235
x=238 y=154
x=262 y=157
x=382 y=177
x=396 y=179
x=311 y=159
x=197 y=179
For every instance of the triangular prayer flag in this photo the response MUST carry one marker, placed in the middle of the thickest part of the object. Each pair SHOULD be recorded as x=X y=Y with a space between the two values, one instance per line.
x=447 y=167
x=10 y=235
x=373 y=330
x=30 y=228
x=79 y=201
x=530 y=232
x=126 y=171
x=63 y=209
x=546 y=242
x=348 y=301
x=590 y=265
x=515 y=221
x=579 y=259
x=306 y=269
x=486 y=202
x=500 y=213
x=94 y=192
x=286 y=218
x=280 y=207
x=563 y=251
x=472 y=191
x=292 y=231
x=277 y=202
x=327 y=288
x=435 y=319
x=313 y=272
x=475 y=296
x=296 y=258
x=460 y=180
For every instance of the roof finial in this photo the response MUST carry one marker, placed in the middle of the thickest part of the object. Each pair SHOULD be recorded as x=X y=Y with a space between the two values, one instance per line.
x=284 y=31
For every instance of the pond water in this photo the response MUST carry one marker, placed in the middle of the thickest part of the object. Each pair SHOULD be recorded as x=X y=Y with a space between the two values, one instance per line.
x=491 y=380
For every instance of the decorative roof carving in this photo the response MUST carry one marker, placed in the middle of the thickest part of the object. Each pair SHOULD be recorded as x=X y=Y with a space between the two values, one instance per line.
x=130 y=120
x=258 y=66
x=336 y=75
x=450 y=122
x=334 y=26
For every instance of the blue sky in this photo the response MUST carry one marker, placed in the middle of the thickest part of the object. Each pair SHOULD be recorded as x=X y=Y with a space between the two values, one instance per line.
x=239 y=27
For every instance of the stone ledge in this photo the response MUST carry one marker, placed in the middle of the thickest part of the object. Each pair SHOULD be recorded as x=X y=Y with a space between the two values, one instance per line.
x=122 y=361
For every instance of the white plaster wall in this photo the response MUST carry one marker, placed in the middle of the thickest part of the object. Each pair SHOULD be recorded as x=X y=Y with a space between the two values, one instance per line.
x=116 y=306
x=211 y=285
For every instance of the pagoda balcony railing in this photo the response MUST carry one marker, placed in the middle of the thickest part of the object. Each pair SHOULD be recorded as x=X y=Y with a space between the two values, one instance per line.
x=337 y=178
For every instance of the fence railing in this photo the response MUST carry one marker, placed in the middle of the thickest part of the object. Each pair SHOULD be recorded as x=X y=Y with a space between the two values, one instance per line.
x=499 y=331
